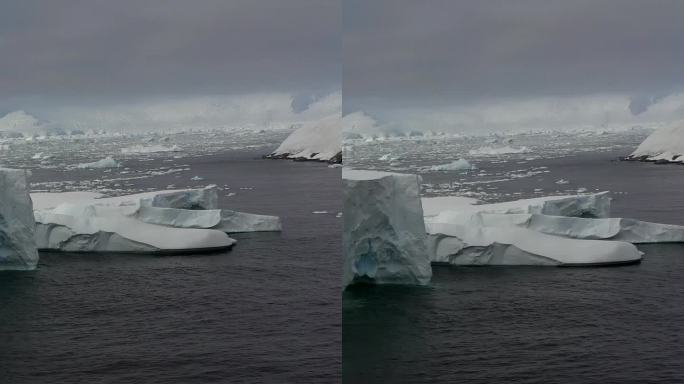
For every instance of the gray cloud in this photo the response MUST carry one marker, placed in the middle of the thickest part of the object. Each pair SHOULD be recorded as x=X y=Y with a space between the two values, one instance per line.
x=404 y=52
x=104 y=50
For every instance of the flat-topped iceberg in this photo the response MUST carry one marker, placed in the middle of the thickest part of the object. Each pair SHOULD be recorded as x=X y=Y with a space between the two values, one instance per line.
x=384 y=240
x=175 y=221
x=17 y=245
x=511 y=245
x=586 y=205
x=319 y=140
x=663 y=145
x=629 y=230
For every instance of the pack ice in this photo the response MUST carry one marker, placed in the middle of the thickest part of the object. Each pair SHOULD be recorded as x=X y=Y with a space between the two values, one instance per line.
x=663 y=145
x=175 y=221
x=320 y=140
x=384 y=238
x=17 y=245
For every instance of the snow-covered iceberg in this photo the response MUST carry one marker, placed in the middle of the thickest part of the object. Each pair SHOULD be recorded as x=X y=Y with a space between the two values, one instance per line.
x=384 y=240
x=629 y=230
x=319 y=140
x=17 y=245
x=175 y=221
x=511 y=245
x=664 y=145
x=585 y=205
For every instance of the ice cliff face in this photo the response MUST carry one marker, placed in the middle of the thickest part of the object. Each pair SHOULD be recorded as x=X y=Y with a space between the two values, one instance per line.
x=384 y=240
x=17 y=245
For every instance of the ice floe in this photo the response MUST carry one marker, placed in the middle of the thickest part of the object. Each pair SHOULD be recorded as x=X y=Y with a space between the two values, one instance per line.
x=107 y=162
x=456 y=165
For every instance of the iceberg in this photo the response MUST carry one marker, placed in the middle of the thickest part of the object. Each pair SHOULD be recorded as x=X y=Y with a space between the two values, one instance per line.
x=510 y=245
x=384 y=239
x=17 y=245
x=320 y=140
x=622 y=229
x=664 y=145
x=586 y=205
x=222 y=219
x=173 y=221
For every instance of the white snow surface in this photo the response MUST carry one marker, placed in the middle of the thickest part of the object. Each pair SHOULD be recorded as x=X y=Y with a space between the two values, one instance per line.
x=153 y=222
x=665 y=143
x=316 y=140
x=17 y=245
x=384 y=239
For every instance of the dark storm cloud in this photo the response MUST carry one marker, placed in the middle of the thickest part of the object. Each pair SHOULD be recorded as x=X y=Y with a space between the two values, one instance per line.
x=127 y=48
x=443 y=50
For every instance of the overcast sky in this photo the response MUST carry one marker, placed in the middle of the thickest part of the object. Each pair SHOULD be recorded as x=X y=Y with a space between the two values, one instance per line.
x=108 y=51
x=406 y=53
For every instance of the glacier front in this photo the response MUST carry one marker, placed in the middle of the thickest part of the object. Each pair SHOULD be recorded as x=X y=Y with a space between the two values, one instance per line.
x=17 y=245
x=384 y=240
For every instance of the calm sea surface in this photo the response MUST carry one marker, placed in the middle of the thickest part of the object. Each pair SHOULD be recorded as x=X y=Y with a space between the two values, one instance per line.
x=266 y=311
x=536 y=324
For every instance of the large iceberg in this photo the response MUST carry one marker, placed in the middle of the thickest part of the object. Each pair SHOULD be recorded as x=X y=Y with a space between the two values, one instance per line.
x=175 y=221
x=565 y=230
x=510 y=245
x=319 y=140
x=622 y=229
x=664 y=145
x=384 y=240
x=17 y=245
x=587 y=205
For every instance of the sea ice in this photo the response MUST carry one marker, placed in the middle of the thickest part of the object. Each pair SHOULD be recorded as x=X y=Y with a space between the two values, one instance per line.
x=456 y=165
x=384 y=238
x=107 y=162
x=17 y=245
x=495 y=151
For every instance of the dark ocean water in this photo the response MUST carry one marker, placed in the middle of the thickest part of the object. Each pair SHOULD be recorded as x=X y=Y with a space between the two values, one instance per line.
x=536 y=324
x=266 y=311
